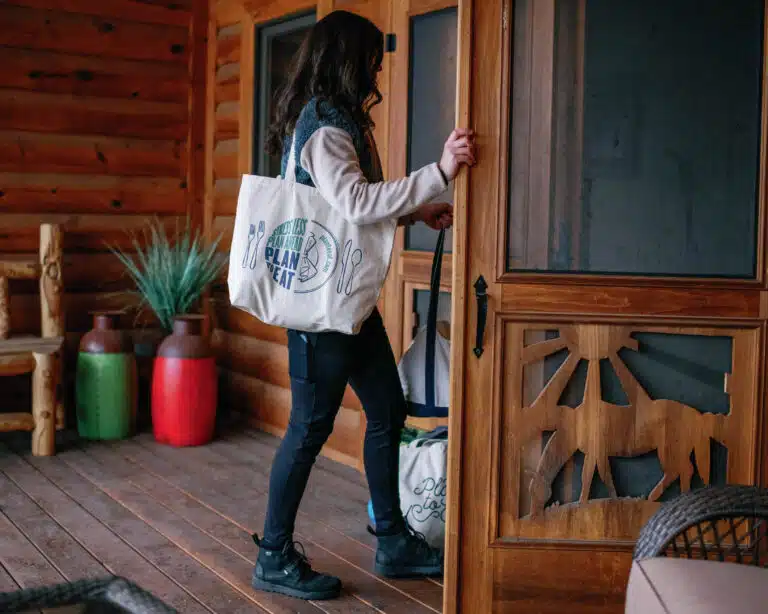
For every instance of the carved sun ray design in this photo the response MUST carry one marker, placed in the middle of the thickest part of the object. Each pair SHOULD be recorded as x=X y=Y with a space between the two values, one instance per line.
x=601 y=430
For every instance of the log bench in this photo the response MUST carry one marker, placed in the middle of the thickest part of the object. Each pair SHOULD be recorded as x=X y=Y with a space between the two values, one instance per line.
x=40 y=356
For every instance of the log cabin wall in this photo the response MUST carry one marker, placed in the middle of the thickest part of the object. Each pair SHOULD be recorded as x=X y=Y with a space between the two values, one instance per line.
x=97 y=121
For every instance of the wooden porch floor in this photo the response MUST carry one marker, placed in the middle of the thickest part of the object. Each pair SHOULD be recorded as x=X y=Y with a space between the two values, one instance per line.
x=178 y=523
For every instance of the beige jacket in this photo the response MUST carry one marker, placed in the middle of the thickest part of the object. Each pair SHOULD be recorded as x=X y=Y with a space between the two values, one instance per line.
x=330 y=159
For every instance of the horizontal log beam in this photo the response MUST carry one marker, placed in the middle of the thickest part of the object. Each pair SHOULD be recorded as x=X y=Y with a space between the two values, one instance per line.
x=225 y=158
x=227 y=92
x=54 y=193
x=17 y=364
x=70 y=222
x=5 y=308
x=95 y=155
x=15 y=346
x=227 y=13
x=267 y=10
x=89 y=272
x=25 y=310
x=67 y=114
x=171 y=12
x=223 y=225
x=20 y=232
x=55 y=30
x=16 y=422
x=227 y=121
x=61 y=73
x=19 y=267
x=228 y=48
x=233 y=320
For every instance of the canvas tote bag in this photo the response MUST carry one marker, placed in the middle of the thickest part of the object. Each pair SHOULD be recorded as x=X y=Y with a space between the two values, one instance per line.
x=423 y=486
x=296 y=262
x=424 y=368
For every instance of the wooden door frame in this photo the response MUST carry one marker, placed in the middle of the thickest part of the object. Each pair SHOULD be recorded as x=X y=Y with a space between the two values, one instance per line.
x=460 y=318
x=729 y=300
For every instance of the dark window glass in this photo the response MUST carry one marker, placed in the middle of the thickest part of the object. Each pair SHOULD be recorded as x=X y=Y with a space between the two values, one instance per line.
x=276 y=44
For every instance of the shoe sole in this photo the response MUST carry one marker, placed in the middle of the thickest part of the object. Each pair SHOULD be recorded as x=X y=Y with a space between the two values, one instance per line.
x=389 y=571
x=269 y=587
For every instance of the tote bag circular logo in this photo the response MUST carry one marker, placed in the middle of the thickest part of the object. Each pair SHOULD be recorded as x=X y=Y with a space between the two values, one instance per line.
x=301 y=255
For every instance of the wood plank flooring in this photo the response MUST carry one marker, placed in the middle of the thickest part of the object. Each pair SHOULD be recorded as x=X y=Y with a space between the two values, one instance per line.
x=178 y=523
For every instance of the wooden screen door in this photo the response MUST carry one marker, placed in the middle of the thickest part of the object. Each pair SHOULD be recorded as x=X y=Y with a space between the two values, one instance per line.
x=615 y=222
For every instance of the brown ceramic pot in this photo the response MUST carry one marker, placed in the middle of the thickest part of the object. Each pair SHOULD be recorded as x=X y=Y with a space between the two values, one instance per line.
x=187 y=340
x=105 y=338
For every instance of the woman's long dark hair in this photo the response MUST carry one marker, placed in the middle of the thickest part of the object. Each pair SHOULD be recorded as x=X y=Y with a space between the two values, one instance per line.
x=338 y=62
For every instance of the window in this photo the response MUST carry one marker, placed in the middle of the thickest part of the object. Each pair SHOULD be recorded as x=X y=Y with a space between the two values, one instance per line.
x=276 y=44
x=634 y=137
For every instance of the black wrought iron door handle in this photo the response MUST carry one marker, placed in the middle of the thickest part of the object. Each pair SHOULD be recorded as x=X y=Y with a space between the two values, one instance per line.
x=481 y=297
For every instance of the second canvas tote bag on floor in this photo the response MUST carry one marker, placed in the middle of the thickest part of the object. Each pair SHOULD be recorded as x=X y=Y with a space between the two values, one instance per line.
x=297 y=263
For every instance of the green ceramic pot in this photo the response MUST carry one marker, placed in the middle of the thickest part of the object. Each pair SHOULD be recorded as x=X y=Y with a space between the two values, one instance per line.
x=106 y=385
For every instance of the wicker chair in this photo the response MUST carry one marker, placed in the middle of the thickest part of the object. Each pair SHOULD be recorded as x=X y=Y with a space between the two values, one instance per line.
x=110 y=595
x=711 y=528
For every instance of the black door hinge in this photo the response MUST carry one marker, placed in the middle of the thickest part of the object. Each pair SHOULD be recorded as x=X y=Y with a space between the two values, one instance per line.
x=391 y=43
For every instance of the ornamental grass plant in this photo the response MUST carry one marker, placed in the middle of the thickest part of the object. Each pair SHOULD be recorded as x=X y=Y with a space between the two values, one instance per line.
x=170 y=274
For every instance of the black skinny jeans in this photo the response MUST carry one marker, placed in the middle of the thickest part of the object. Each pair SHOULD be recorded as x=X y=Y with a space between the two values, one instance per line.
x=321 y=365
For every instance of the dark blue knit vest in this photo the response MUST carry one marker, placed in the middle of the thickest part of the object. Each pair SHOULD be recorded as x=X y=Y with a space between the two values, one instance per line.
x=316 y=115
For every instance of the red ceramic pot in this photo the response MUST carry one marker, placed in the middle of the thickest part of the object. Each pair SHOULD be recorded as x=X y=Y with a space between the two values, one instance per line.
x=184 y=383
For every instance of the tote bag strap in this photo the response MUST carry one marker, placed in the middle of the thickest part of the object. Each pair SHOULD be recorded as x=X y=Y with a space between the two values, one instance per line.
x=434 y=295
x=290 y=167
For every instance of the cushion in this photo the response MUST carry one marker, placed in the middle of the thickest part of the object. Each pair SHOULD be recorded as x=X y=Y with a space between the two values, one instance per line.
x=677 y=586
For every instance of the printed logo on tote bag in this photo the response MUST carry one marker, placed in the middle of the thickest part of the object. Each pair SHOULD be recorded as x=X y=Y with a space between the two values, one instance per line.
x=301 y=255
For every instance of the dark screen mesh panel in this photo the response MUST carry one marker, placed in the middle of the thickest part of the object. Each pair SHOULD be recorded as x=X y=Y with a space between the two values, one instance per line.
x=657 y=173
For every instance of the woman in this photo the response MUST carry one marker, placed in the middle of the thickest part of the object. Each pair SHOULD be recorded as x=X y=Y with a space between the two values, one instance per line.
x=326 y=104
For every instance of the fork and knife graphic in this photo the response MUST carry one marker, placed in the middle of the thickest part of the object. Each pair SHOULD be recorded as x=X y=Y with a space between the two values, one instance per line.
x=355 y=259
x=349 y=258
x=253 y=234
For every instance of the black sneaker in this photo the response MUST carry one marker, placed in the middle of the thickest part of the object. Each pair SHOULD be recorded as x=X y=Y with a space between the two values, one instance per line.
x=288 y=572
x=406 y=554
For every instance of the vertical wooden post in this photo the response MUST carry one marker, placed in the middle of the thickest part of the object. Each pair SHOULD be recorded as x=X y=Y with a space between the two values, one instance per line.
x=460 y=321
x=45 y=382
x=52 y=314
x=209 y=127
x=51 y=293
x=198 y=68
x=247 y=95
x=5 y=308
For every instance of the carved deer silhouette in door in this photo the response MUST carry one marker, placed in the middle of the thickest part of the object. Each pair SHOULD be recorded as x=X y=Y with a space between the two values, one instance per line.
x=601 y=430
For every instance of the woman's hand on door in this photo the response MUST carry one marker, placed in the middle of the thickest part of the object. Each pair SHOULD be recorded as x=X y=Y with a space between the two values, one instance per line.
x=459 y=150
